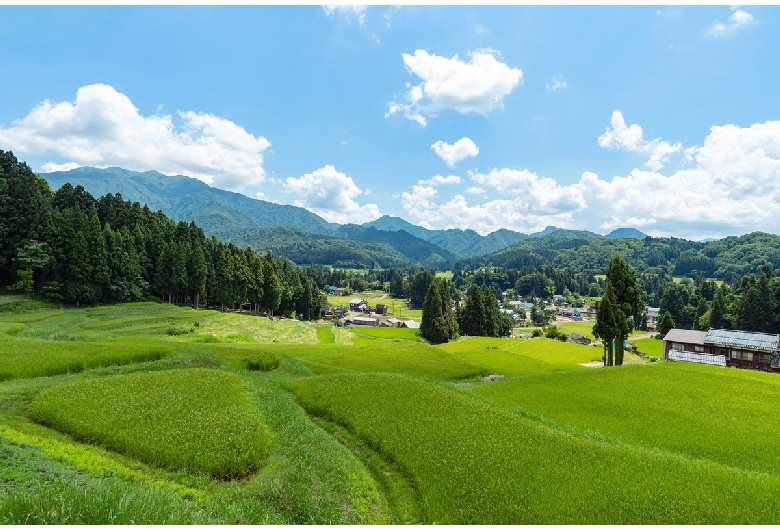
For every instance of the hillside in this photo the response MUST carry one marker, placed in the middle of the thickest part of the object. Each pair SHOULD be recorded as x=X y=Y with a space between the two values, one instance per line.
x=218 y=212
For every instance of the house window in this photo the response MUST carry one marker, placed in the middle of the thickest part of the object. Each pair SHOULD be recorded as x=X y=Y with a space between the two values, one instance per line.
x=766 y=358
x=678 y=347
x=698 y=349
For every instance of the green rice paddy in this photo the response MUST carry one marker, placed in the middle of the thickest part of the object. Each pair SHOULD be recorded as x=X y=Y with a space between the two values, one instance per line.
x=198 y=420
x=474 y=463
x=107 y=418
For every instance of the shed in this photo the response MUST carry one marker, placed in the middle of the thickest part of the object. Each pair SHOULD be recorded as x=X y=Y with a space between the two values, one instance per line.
x=364 y=321
x=579 y=339
x=411 y=324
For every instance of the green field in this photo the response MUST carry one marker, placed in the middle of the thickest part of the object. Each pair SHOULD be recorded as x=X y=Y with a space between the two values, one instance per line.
x=156 y=414
x=652 y=347
x=198 y=420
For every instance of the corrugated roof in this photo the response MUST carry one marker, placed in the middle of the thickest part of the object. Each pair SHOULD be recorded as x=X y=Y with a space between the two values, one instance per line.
x=743 y=339
x=688 y=336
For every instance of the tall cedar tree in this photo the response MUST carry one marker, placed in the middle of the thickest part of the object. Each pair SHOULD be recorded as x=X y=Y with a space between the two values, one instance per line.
x=481 y=317
x=622 y=279
x=606 y=326
x=433 y=327
x=717 y=317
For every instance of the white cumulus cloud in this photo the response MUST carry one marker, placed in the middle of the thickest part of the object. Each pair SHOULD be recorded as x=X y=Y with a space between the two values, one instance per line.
x=331 y=195
x=439 y=179
x=738 y=19
x=478 y=85
x=51 y=167
x=454 y=153
x=631 y=138
x=103 y=128
x=732 y=188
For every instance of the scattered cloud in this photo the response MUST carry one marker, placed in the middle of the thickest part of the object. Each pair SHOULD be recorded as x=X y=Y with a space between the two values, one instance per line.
x=103 y=128
x=331 y=195
x=478 y=85
x=739 y=18
x=349 y=12
x=631 y=138
x=733 y=187
x=454 y=153
x=438 y=179
x=390 y=13
x=556 y=83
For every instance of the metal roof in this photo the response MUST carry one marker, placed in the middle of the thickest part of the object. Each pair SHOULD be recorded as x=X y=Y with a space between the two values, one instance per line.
x=742 y=339
x=688 y=336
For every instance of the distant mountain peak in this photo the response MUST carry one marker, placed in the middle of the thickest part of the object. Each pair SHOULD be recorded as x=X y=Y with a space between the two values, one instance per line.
x=631 y=233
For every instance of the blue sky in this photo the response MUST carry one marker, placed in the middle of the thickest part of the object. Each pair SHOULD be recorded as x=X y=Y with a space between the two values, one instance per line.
x=519 y=117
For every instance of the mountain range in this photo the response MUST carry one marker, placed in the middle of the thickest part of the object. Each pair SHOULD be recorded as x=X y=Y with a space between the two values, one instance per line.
x=297 y=233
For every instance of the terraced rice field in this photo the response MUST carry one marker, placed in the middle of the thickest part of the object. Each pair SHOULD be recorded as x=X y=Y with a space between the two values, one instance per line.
x=106 y=417
x=197 y=420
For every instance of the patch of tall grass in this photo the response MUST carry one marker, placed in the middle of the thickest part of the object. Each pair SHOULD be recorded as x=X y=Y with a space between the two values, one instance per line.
x=198 y=420
x=472 y=462
x=22 y=357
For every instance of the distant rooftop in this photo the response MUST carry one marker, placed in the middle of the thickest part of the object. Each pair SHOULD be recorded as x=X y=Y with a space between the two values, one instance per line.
x=743 y=339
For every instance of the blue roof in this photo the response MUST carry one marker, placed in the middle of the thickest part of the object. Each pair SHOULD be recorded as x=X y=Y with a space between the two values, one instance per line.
x=742 y=339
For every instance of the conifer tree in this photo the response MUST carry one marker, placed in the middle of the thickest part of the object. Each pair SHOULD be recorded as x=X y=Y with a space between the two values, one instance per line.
x=433 y=326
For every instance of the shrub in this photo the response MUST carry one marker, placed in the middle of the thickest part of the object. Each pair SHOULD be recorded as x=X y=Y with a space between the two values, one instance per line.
x=178 y=329
x=264 y=361
x=536 y=333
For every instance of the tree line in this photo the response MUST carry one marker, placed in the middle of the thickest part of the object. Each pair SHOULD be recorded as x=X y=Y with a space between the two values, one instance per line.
x=67 y=246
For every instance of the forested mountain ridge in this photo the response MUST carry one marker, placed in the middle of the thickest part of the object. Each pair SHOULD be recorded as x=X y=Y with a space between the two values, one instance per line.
x=726 y=259
x=217 y=211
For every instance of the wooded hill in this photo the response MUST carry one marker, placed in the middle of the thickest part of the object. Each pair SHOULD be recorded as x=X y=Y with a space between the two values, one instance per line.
x=726 y=259
x=68 y=246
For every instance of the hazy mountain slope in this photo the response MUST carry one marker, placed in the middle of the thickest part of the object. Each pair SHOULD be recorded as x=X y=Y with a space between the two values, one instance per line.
x=626 y=232
x=412 y=247
x=460 y=243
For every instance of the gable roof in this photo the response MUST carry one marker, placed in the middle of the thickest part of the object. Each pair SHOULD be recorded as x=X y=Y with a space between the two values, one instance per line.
x=688 y=336
x=743 y=339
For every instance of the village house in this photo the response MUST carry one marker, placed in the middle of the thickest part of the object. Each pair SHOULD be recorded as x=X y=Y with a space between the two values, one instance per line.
x=724 y=347
x=358 y=304
x=652 y=315
x=392 y=322
x=381 y=309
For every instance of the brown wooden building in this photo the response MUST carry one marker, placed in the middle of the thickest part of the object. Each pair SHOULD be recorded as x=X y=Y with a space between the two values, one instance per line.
x=724 y=347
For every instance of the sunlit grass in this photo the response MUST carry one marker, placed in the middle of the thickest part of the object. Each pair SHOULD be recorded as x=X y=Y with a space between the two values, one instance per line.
x=668 y=406
x=475 y=463
x=193 y=419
